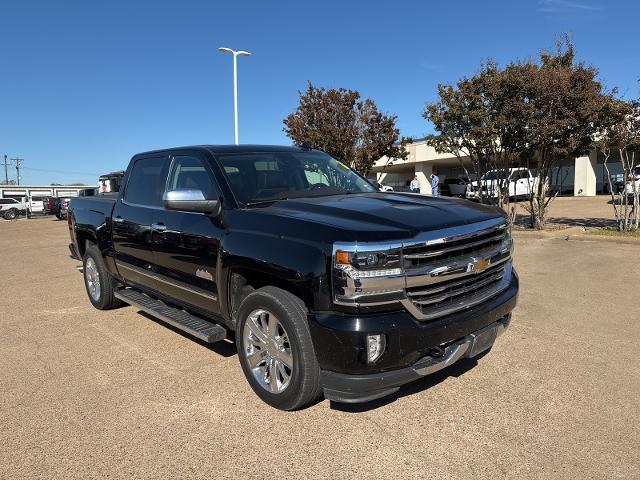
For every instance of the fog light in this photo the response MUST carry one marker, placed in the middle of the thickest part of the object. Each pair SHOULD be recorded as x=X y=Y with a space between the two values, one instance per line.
x=375 y=347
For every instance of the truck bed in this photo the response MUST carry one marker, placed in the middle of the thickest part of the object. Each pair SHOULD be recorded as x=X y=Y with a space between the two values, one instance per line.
x=90 y=216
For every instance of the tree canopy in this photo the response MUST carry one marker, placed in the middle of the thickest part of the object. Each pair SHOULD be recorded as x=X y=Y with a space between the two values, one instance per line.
x=339 y=123
x=533 y=113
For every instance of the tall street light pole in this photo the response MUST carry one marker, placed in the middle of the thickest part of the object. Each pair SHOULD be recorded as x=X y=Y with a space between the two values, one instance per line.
x=235 y=54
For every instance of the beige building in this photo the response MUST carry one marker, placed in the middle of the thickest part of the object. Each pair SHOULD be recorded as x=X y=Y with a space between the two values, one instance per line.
x=583 y=176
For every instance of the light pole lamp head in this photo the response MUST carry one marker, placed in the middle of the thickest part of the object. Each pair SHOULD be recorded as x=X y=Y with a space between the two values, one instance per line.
x=240 y=53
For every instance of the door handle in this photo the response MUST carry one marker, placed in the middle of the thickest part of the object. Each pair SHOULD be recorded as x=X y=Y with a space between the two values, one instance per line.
x=118 y=219
x=158 y=227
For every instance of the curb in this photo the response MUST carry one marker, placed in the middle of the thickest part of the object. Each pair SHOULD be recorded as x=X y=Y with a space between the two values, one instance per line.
x=575 y=234
x=587 y=237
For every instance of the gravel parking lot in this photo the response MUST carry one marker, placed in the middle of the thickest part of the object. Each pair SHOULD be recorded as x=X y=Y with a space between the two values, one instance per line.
x=92 y=394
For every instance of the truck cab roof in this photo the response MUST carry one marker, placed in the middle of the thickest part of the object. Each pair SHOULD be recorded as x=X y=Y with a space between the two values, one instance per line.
x=232 y=149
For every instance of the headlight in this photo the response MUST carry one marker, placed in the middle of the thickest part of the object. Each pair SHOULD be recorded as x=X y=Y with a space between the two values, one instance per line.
x=367 y=273
x=508 y=238
x=368 y=263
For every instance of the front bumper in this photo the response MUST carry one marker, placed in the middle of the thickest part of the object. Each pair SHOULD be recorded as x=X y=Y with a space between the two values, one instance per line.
x=363 y=388
x=340 y=342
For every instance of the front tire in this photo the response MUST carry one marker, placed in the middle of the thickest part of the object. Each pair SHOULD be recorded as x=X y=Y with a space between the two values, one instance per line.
x=11 y=214
x=275 y=349
x=98 y=281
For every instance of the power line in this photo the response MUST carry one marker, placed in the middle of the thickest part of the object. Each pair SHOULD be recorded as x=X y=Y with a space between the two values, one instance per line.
x=62 y=171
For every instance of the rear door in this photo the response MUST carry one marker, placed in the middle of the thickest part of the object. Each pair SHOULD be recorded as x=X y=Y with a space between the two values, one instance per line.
x=131 y=219
x=186 y=244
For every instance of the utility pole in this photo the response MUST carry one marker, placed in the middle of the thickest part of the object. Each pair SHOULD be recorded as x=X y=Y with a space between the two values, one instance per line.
x=6 y=175
x=18 y=160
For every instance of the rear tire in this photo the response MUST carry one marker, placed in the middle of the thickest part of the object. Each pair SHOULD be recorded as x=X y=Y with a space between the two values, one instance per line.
x=265 y=347
x=97 y=280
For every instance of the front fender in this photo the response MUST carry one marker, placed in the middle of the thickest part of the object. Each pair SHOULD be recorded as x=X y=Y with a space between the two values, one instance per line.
x=297 y=265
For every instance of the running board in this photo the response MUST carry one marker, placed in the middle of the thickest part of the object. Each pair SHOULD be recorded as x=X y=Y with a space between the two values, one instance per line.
x=196 y=326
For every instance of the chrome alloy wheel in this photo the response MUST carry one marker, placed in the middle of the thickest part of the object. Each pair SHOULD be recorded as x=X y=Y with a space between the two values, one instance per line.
x=267 y=350
x=92 y=278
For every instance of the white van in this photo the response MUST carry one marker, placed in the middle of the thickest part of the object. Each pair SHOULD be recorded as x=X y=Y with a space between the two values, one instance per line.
x=521 y=183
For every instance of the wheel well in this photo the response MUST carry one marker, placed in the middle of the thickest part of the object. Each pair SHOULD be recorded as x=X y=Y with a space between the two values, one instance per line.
x=243 y=283
x=83 y=239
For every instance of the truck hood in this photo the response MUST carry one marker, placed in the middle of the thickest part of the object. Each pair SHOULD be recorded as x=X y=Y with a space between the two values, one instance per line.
x=377 y=216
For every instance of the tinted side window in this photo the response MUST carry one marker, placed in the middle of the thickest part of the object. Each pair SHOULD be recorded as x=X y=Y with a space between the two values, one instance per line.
x=189 y=173
x=146 y=182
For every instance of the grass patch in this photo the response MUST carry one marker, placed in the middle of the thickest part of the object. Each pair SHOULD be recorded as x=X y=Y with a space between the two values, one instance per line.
x=613 y=232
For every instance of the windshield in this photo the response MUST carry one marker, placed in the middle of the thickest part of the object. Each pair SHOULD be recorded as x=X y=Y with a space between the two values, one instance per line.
x=261 y=177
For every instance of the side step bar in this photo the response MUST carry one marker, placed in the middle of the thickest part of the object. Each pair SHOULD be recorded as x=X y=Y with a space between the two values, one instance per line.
x=196 y=326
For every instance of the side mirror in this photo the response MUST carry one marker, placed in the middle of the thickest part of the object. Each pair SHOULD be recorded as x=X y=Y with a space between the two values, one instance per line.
x=190 y=201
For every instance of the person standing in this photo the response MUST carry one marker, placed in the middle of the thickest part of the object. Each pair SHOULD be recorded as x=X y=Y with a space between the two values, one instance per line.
x=415 y=185
x=435 y=184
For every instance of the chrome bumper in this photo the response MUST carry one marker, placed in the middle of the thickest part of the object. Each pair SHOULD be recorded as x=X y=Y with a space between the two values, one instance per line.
x=348 y=388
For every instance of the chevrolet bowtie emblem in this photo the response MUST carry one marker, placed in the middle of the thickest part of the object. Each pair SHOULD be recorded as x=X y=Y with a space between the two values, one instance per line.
x=478 y=265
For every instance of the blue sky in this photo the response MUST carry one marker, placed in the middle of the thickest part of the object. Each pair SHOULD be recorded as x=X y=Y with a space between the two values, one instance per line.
x=85 y=85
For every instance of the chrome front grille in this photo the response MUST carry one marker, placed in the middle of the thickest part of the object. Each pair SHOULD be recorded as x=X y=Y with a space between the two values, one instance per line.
x=441 y=249
x=456 y=271
x=433 y=274
x=452 y=295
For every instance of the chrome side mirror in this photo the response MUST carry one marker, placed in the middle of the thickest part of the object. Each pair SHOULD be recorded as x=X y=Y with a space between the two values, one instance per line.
x=190 y=201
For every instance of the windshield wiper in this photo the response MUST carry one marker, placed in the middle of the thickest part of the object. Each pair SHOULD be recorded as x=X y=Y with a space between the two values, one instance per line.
x=262 y=202
x=302 y=194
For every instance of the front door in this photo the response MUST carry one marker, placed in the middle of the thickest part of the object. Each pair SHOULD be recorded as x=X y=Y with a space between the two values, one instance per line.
x=186 y=244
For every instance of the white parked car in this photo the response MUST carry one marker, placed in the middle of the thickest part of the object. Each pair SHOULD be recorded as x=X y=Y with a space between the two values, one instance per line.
x=635 y=181
x=521 y=183
x=35 y=205
x=381 y=187
x=11 y=208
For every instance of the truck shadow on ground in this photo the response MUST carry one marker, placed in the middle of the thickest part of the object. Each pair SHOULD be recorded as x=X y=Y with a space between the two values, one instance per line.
x=227 y=348
x=456 y=370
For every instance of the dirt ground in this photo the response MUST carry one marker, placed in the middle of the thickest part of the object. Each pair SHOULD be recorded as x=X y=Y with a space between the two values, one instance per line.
x=92 y=394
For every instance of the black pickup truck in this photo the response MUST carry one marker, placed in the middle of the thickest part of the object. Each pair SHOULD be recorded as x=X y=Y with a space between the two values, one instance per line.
x=328 y=286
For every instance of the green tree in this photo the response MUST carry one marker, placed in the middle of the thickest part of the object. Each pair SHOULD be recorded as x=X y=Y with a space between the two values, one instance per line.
x=337 y=122
x=561 y=113
x=473 y=120
x=621 y=136
x=535 y=113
